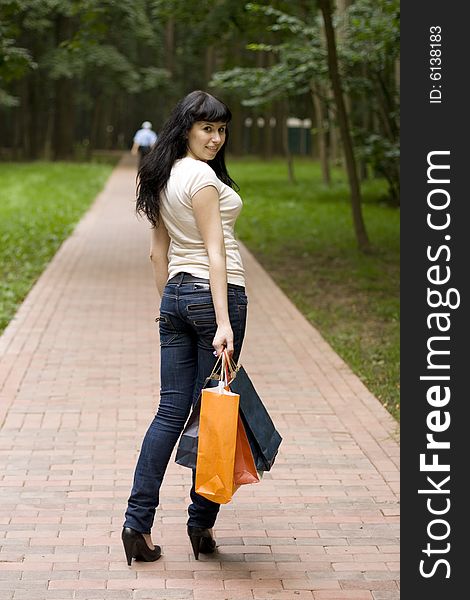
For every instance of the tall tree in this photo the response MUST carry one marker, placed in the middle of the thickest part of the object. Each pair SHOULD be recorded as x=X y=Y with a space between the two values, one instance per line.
x=343 y=120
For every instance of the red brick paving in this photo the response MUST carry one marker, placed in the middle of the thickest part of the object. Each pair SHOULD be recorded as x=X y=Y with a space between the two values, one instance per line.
x=78 y=387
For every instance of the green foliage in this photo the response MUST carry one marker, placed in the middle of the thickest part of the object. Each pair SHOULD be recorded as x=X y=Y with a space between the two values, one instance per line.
x=99 y=40
x=40 y=204
x=383 y=156
x=14 y=60
x=300 y=59
x=373 y=32
x=263 y=84
x=302 y=234
x=369 y=50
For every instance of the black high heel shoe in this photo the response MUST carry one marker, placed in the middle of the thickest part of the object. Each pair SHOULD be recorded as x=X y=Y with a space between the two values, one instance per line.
x=136 y=547
x=201 y=541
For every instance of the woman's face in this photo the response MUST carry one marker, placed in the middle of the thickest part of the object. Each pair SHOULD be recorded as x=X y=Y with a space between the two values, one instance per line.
x=205 y=139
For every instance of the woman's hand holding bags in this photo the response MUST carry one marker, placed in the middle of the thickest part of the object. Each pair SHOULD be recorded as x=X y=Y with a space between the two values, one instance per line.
x=229 y=437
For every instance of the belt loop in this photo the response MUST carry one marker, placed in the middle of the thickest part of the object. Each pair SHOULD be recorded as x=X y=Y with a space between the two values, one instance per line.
x=181 y=279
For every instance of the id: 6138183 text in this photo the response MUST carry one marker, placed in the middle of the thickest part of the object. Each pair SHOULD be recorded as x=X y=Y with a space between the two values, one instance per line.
x=435 y=64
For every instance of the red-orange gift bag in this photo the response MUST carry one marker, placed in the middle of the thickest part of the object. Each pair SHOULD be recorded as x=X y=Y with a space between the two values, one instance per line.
x=245 y=469
x=218 y=424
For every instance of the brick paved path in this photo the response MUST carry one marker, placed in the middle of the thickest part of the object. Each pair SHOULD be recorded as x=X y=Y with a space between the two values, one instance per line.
x=78 y=387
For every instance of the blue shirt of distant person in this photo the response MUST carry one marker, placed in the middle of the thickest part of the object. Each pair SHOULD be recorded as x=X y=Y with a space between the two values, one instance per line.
x=144 y=139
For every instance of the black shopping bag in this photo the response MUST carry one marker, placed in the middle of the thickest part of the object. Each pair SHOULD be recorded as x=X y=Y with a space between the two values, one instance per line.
x=263 y=437
x=186 y=452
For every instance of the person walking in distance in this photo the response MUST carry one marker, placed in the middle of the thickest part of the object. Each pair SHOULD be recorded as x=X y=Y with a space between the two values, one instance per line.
x=186 y=193
x=144 y=139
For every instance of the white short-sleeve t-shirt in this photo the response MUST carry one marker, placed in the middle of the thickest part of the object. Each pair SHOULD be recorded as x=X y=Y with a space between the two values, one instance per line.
x=187 y=251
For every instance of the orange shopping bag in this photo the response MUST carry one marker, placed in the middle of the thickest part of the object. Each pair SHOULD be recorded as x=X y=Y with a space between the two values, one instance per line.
x=245 y=469
x=218 y=424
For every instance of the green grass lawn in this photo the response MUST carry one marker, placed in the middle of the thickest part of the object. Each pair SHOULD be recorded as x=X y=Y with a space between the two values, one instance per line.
x=40 y=204
x=303 y=235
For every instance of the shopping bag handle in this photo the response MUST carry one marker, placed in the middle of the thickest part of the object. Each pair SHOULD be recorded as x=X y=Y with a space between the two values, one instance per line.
x=225 y=368
x=215 y=370
x=231 y=367
x=224 y=376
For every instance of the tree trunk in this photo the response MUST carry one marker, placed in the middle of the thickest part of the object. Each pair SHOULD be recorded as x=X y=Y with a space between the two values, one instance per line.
x=366 y=126
x=169 y=98
x=386 y=106
x=33 y=108
x=209 y=64
x=359 y=226
x=25 y=119
x=268 y=130
x=268 y=137
x=336 y=154
x=48 y=132
x=334 y=143
x=95 y=124
x=170 y=45
x=64 y=113
x=397 y=76
x=321 y=136
x=235 y=145
x=285 y=145
x=342 y=6
x=17 y=142
x=64 y=120
x=237 y=126
x=278 y=145
x=365 y=113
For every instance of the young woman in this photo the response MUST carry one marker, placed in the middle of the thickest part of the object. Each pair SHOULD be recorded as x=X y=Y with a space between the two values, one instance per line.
x=188 y=196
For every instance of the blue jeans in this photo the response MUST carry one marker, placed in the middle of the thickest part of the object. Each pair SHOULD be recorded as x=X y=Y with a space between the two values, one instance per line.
x=187 y=328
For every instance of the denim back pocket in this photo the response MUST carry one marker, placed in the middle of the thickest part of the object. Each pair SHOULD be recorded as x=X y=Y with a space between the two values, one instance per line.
x=201 y=313
x=168 y=332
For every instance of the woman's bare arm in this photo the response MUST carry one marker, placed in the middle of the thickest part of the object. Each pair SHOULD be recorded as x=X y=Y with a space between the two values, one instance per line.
x=159 y=244
x=207 y=213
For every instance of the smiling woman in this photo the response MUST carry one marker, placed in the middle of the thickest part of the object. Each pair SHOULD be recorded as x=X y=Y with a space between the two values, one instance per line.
x=188 y=196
